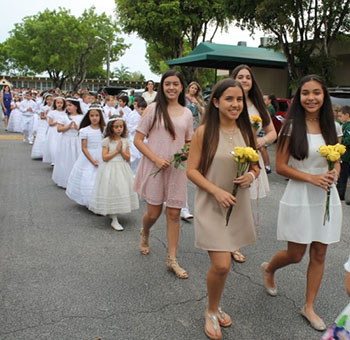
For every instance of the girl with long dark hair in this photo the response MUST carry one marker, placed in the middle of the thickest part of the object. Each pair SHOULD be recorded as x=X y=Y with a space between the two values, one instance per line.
x=168 y=125
x=309 y=125
x=212 y=168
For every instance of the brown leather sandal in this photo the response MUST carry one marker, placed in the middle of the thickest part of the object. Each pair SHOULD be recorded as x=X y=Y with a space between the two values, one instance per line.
x=144 y=243
x=174 y=267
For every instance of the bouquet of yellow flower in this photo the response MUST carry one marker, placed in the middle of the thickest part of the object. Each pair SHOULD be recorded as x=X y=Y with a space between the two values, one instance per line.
x=243 y=156
x=178 y=158
x=332 y=154
x=255 y=121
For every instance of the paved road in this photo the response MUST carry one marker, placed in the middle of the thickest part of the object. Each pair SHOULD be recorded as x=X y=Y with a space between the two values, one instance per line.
x=66 y=274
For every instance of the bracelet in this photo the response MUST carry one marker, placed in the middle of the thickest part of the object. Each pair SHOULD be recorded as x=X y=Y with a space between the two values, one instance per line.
x=251 y=174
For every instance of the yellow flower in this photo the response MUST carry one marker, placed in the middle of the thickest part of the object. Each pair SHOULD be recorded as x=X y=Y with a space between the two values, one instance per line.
x=251 y=154
x=324 y=150
x=340 y=148
x=256 y=119
x=333 y=156
x=331 y=148
x=239 y=151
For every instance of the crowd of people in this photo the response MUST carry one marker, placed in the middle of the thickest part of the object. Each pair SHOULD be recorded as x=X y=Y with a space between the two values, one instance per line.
x=108 y=156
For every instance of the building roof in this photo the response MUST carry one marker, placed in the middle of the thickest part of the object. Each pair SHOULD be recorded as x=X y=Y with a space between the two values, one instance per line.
x=220 y=56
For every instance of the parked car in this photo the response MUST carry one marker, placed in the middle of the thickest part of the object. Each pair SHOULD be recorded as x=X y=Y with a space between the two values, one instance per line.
x=340 y=95
x=280 y=116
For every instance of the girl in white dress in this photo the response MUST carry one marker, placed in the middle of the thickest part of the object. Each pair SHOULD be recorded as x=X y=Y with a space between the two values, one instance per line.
x=69 y=144
x=113 y=191
x=300 y=218
x=40 y=140
x=256 y=107
x=82 y=177
x=15 y=120
x=53 y=136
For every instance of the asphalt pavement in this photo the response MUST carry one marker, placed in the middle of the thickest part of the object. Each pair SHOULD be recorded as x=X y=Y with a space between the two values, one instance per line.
x=65 y=274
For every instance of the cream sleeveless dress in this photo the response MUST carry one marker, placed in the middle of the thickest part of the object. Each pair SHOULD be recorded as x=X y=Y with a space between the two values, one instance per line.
x=211 y=232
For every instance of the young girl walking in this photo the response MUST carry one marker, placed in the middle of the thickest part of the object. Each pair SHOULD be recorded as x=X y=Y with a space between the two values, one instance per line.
x=168 y=124
x=309 y=125
x=212 y=168
x=113 y=193
x=69 y=144
x=53 y=135
x=83 y=175
x=39 y=143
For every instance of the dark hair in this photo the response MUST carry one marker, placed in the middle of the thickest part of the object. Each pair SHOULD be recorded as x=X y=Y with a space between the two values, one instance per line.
x=162 y=103
x=274 y=101
x=255 y=95
x=109 y=129
x=211 y=122
x=295 y=124
x=76 y=103
x=149 y=81
x=124 y=98
x=141 y=102
x=345 y=109
x=86 y=120
x=54 y=103
x=47 y=96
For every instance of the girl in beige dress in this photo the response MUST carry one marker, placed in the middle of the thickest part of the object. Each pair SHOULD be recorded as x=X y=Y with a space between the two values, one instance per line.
x=212 y=168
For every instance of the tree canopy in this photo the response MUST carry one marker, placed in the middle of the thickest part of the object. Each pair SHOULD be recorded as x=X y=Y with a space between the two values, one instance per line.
x=304 y=30
x=168 y=25
x=63 y=45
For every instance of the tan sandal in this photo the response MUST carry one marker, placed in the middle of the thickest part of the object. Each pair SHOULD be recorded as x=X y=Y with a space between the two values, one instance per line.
x=215 y=326
x=223 y=318
x=144 y=243
x=174 y=267
x=238 y=256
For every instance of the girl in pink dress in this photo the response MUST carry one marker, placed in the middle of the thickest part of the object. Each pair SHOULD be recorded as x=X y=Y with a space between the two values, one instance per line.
x=168 y=125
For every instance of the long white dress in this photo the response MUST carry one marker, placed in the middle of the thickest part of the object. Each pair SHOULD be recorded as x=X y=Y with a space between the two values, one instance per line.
x=68 y=151
x=40 y=140
x=15 y=120
x=52 y=137
x=82 y=177
x=135 y=155
x=260 y=187
x=113 y=191
x=302 y=207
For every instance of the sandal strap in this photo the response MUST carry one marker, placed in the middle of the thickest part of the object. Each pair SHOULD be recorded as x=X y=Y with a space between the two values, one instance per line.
x=173 y=265
x=214 y=319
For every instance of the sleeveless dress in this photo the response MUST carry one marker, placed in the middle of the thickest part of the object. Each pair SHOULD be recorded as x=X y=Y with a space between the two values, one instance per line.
x=112 y=192
x=302 y=207
x=68 y=151
x=260 y=187
x=7 y=98
x=83 y=175
x=15 y=120
x=170 y=185
x=211 y=232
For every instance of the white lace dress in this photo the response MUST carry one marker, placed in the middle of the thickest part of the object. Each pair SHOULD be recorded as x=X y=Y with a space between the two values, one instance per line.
x=302 y=207
x=113 y=192
x=83 y=175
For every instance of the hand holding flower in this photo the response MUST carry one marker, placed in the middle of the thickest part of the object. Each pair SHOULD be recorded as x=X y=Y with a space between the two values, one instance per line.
x=224 y=198
x=162 y=163
x=244 y=181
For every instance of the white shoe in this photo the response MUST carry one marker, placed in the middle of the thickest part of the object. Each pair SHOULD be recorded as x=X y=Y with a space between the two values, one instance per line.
x=24 y=140
x=31 y=142
x=186 y=216
x=116 y=226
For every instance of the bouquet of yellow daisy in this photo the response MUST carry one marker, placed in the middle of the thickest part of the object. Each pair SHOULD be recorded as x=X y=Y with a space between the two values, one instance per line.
x=332 y=153
x=255 y=121
x=243 y=156
x=178 y=158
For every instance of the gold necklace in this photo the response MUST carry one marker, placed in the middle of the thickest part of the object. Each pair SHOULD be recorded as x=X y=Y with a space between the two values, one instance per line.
x=312 y=119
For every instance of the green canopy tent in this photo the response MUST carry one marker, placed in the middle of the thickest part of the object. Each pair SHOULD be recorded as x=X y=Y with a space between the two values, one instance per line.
x=227 y=57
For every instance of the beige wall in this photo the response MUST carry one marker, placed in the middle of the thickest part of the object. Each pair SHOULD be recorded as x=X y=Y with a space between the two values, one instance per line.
x=272 y=80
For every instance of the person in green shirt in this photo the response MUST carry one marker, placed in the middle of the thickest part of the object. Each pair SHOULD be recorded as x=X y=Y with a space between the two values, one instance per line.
x=344 y=118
